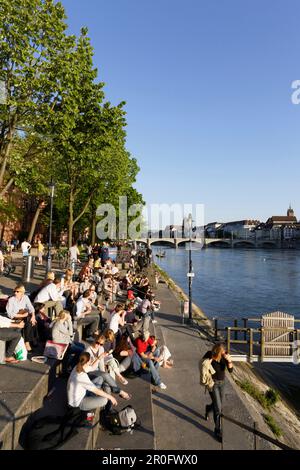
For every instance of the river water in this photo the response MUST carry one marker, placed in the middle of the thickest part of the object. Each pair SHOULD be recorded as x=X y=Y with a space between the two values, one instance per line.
x=237 y=283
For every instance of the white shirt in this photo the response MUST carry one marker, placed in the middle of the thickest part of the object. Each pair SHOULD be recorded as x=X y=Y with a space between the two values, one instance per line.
x=48 y=292
x=114 y=323
x=14 y=305
x=73 y=252
x=114 y=270
x=5 y=322
x=95 y=355
x=25 y=246
x=81 y=306
x=78 y=385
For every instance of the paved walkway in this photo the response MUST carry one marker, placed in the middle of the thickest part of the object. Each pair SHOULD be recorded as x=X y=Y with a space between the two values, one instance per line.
x=179 y=411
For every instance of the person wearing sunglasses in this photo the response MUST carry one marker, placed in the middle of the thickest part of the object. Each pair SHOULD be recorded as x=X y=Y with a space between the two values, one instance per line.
x=19 y=307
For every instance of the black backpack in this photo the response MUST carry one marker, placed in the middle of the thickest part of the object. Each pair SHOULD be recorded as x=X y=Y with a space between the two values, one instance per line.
x=118 y=422
x=51 y=432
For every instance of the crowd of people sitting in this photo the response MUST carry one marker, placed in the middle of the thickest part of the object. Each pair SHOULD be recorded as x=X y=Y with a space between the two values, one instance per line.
x=113 y=309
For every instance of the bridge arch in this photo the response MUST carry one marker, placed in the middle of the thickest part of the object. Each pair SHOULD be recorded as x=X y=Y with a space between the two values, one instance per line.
x=161 y=242
x=218 y=244
x=244 y=244
x=186 y=242
x=266 y=244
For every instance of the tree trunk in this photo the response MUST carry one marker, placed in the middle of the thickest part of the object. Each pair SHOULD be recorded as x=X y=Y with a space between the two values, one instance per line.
x=6 y=187
x=93 y=229
x=7 y=147
x=71 y=219
x=34 y=221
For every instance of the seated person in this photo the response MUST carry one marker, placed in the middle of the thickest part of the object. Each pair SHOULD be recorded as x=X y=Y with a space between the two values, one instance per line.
x=144 y=346
x=97 y=367
x=163 y=354
x=84 y=393
x=20 y=307
x=110 y=363
x=86 y=316
x=51 y=296
x=62 y=332
x=10 y=331
x=43 y=323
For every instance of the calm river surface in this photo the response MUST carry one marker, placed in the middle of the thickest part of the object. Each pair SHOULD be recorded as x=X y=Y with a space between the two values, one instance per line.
x=236 y=283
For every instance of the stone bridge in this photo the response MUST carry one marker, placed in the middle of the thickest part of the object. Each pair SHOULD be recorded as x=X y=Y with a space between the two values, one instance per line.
x=221 y=242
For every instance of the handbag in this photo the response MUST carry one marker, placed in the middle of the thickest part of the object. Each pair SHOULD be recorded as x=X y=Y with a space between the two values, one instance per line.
x=21 y=351
x=55 y=350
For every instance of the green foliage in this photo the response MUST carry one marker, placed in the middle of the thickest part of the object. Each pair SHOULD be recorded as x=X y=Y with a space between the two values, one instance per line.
x=266 y=400
x=55 y=121
x=273 y=425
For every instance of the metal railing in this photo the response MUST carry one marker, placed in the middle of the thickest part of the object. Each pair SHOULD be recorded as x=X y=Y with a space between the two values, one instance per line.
x=256 y=433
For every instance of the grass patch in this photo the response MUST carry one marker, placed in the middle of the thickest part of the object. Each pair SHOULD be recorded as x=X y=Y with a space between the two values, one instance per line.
x=272 y=425
x=266 y=400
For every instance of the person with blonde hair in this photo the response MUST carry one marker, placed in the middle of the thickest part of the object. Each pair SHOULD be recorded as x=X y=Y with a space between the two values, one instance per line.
x=40 y=252
x=62 y=332
x=19 y=307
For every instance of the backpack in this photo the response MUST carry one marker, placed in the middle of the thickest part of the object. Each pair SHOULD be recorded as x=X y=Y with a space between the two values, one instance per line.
x=121 y=421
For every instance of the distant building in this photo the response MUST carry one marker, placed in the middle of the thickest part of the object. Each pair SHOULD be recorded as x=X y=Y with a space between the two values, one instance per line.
x=240 y=228
x=211 y=229
x=280 y=227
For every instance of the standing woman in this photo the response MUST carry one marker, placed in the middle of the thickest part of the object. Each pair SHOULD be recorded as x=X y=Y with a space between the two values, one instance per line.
x=219 y=361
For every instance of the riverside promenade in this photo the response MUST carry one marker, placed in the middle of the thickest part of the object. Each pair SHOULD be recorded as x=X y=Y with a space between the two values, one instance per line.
x=172 y=418
x=178 y=412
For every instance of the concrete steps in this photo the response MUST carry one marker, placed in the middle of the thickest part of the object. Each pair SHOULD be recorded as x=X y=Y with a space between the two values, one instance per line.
x=142 y=437
x=23 y=387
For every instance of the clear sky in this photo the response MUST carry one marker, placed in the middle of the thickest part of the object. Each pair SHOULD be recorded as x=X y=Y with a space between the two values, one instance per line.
x=208 y=90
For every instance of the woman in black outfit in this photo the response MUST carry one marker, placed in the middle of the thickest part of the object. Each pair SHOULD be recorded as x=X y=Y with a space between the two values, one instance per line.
x=220 y=362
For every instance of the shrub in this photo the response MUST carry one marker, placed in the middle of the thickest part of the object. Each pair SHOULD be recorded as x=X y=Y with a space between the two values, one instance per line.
x=272 y=425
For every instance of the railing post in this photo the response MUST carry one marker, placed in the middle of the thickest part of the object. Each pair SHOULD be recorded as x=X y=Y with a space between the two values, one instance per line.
x=255 y=436
x=262 y=344
x=245 y=321
x=216 y=329
x=228 y=339
x=250 y=344
x=235 y=331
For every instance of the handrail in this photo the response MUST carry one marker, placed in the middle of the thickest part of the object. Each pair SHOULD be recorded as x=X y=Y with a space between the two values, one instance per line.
x=258 y=433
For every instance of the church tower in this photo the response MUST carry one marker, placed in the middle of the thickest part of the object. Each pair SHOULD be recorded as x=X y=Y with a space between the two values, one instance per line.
x=290 y=212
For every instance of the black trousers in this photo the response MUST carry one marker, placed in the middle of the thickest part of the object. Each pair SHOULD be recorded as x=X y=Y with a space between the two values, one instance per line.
x=12 y=337
x=30 y=332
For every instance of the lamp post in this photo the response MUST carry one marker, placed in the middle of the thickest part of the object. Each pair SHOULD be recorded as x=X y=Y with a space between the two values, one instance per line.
x=190 y=273
x=52 y=187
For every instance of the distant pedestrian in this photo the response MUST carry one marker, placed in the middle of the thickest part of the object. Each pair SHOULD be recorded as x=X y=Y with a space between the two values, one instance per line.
x=213 y=367
x=25 y=247
x=40 y=252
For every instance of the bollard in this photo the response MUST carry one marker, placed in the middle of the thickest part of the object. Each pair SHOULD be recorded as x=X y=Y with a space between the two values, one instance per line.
x=28 y=270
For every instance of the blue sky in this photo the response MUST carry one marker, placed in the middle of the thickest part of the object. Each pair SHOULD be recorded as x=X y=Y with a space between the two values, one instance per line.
x=208 y=90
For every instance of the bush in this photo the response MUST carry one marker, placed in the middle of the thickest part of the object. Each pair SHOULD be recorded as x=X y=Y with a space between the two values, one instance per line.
x=272 y=396
x=272 y=425
x=267 y=399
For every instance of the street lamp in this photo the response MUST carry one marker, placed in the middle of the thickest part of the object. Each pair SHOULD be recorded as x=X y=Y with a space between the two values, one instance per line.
x=51 y=187
x=190 y=274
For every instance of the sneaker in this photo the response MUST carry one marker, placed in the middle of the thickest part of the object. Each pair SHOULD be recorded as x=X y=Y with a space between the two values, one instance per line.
x=154 y=321
x=162 y=386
